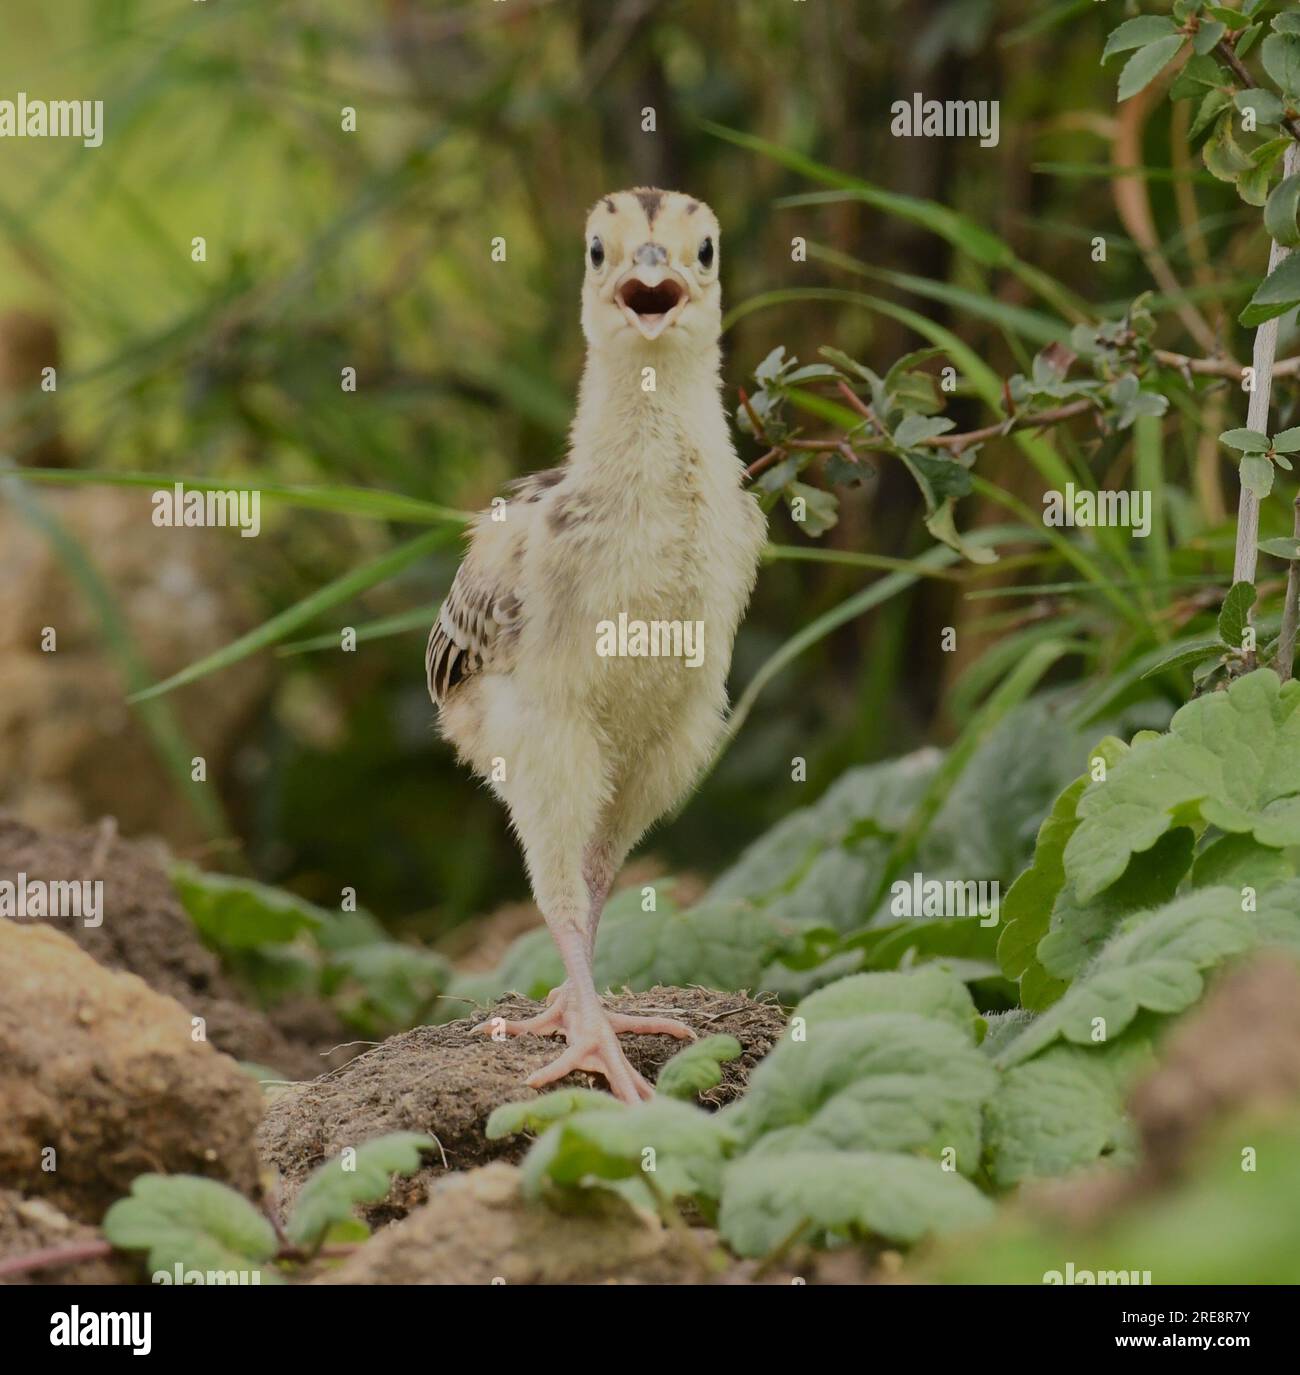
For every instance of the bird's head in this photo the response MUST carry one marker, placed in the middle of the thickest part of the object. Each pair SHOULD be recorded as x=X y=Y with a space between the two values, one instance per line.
x=652 y=271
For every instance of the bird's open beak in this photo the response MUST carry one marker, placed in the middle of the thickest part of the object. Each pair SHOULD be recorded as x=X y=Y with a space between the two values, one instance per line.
x=651 y=299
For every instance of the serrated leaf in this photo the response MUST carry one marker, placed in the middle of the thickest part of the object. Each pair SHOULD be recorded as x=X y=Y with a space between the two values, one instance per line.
x=1240 y=861
x=364 y=1176
x=1248 y=441
x=1186 y=657
x=698 y=1067
x=536 y=1114
x=1196 y=75
x=1080 y=929
x=1212 y=105
x=1234 y=616
x=1249 y=37
x=1146 y=64
x=679 y=1146
x=1231 y=758
x=916 y=429
x=1208 y=35
x=195 y=1223
x=856 y=1195
x=927 y=992
x=1280 y=54
x=1154 y=961
x=1276 y=294
x=1288 y=442
x=1223 y=156
x=942 y=525
x=1137 y=33
x=891 y=1081
x=1280 y=211
x=1257 y=475
x=812 y=507
x=1267 y=107
x=1062 y=1110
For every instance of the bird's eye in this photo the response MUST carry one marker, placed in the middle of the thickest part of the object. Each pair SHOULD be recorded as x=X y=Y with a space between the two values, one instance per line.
x=597 y=253
x=706 y=253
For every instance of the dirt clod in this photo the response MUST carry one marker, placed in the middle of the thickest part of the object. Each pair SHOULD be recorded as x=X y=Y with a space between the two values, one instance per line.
x=477 y=1228
x=146 y=931
x=101 y=1081
x=446 y=1080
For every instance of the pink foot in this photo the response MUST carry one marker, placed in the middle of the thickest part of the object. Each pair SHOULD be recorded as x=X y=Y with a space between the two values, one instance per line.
x=592 y=1034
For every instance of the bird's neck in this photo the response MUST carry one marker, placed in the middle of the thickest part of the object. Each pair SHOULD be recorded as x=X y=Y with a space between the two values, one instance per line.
x=646 y=411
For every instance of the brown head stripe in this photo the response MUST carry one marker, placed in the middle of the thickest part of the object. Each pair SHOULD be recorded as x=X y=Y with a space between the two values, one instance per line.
x=610 y=206
x=650 y=202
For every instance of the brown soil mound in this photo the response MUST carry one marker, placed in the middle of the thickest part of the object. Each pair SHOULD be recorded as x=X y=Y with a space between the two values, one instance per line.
x=446 y=1080
x=146 y=932
x=101 y=1081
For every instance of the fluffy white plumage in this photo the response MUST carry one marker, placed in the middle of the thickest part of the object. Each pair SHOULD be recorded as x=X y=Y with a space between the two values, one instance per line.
x=647 y=518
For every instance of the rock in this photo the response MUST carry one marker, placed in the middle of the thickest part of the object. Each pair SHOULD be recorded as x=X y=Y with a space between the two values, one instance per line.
x=100 y=1069
x=477 y=1227
x=146 y=931
x=446 y=1080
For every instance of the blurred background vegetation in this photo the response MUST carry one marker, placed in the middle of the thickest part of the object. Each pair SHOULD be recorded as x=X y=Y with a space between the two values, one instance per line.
x=371 y=249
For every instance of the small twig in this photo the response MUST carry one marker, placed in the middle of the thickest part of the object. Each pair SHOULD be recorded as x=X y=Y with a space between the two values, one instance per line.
x=1030 y=420
x=759 y=432
x=54 y=1256
x=1291 y=608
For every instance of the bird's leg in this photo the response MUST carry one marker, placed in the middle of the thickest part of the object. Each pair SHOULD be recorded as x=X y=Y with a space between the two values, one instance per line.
x=575 y=1009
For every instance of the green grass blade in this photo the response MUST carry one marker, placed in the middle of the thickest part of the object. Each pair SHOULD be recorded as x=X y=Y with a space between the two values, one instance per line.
x=419 y=618
x=332 y=594
x=779 y=553
x=367 y=502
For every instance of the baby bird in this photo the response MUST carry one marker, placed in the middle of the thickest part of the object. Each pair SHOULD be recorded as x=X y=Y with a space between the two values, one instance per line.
x=580 y=660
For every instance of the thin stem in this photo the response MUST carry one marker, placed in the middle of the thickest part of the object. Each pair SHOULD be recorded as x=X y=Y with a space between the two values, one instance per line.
x=1243 y=569
x=1291 y=610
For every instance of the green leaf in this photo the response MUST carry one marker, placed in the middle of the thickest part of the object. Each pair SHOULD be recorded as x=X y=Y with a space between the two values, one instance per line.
x=1222 y=154
x=1207 y=36
x=1198 y=74
x=195 y=1223
x=1235 y=615
x=536 y=1114
x=1186 y=657
x=363 y=1175
x=1231 y=758
x=1280 y=212
x=1079 y=929
x=677 y=1147
x=1249 y=37
x=1285 y=547
x=942 y=525
x=240 y=914
x=1062 y=1110
x=697 y=1068
x=1154 y=961
x=856 y=1195
x=1275 y=295
x=1238 y=861
x=1146 y=64
x=927 y=991
x=916 y=429
x=816 y=510
x=1257 y=475
x=1280 y=53
x=1137 y=33
x=1286 y=22
x=1288 y=442
x=1249 y=441
x=1267 y=107
x=892 y=1081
